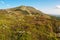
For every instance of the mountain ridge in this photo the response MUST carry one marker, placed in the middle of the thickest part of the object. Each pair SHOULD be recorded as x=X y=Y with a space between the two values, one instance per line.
x=27 y=23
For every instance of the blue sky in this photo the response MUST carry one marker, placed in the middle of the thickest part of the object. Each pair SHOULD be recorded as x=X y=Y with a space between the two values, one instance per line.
x=47 y=6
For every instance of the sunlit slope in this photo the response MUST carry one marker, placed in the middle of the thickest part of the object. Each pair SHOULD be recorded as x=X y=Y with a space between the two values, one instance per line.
x=27 y=23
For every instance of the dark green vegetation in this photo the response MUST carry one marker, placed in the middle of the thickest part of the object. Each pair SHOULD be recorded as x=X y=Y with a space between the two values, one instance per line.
x=27 y=23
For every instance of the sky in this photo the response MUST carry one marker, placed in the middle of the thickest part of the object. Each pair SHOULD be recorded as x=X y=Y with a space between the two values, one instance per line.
x=46 y=6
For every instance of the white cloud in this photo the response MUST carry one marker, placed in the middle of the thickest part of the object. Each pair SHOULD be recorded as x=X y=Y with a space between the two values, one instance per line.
x=54 y=11
x=51 y=11
x=58 y=6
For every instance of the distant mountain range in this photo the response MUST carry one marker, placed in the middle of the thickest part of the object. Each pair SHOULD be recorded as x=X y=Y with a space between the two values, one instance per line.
x=27 y=23
x=56 y=16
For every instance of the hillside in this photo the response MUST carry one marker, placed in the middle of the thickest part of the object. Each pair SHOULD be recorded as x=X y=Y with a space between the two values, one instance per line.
x=27 y=23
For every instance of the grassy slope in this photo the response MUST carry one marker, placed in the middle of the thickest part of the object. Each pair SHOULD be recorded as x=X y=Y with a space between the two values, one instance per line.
x=19 y=24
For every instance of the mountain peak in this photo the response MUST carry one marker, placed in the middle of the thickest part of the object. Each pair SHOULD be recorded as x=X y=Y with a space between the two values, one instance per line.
x=26 y=10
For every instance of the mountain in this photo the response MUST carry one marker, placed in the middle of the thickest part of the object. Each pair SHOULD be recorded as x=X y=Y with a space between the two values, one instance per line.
x=27 y=23
x=56 y=16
